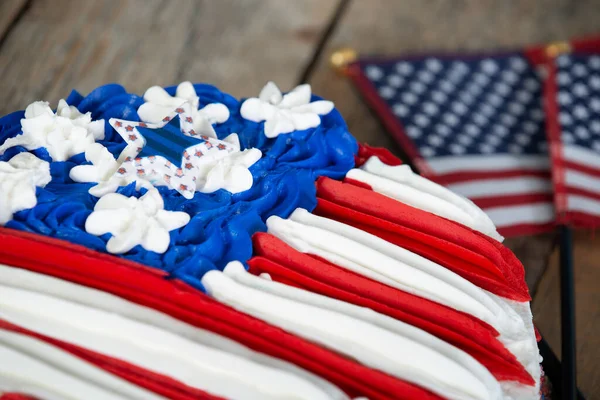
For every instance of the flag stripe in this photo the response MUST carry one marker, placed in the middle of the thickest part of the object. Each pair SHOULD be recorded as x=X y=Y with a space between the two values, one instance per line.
x=581 y=155
x=583 y=192
x=583 y=204
x=527 y=229
x=49 y=355
x=502 y=187
x=566 y=165
x=448 y=179
x=492 y=202
x=528 y=213
x=582 y=181
x=445 y=165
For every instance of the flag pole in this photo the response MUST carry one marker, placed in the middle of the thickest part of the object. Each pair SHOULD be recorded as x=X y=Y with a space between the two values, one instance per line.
x=553 y=370
x=567 y=315
x=567 y=283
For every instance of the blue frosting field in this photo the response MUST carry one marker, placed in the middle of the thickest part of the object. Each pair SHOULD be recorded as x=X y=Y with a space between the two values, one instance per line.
x=221 y=223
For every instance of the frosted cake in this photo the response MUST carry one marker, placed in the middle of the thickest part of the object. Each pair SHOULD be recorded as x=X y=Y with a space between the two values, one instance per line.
x=187 y=244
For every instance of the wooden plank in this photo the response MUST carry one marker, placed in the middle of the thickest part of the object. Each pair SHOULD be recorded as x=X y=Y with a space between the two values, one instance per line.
x=9 y=9
x=235 y=45
x=546 y=309
x=380 y=27
x=534 y=252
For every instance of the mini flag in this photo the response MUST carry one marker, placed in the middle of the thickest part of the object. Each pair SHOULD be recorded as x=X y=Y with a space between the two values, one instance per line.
x=572 y=91
x=472 y=123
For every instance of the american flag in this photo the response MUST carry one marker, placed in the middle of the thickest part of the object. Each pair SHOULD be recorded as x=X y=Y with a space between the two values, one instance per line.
x=475 y=124
x=573 y=109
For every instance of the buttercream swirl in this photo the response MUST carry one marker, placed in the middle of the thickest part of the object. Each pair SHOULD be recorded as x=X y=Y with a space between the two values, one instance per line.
x=221 y=223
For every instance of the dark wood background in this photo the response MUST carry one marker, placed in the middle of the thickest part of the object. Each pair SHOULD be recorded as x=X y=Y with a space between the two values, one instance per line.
x=48 y=47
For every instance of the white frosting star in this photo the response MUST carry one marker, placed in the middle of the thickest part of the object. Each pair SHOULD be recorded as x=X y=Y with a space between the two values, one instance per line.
x=103 y=171
x=64 y=134
x=18 y=180
x=160 y=104
x=134 y=221
x=230 y=173
x=285 y=113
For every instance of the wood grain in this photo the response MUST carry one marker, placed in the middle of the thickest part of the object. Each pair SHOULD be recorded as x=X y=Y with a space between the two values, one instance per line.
x=546 y=309
x=9 y=9
x=534 y=252
x=236 y=45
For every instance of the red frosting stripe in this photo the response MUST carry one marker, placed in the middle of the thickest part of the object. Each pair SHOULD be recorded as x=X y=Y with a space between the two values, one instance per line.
x=354 y=182
x=157 y=383
x=417 y=243
x=470 y=254
x=149 y=287
x=516 y=267
x=15 y=396
x=365 y=152
x=475 y=337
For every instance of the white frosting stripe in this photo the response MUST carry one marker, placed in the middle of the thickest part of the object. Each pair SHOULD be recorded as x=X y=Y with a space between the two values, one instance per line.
x=362 y=258
x=497 y=312
x=237 y=272
x=398 y=253
x=151 y=348
x=524 y=347
x=40 y=369
x=401 y=183
x=385 y=350
x=402 y=191
x=377 y=259
x=31 y=281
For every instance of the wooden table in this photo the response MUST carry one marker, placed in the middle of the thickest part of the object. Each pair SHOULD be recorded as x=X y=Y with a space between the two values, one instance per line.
x=48 y=47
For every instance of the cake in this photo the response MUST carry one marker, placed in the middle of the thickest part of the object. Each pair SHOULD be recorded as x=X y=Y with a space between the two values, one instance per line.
x=189 y=245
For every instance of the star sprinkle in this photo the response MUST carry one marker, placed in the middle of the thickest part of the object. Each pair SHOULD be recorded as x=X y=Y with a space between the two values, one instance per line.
x=134 y=221
x=160 y=104
x=285 y=113
x=169 y=153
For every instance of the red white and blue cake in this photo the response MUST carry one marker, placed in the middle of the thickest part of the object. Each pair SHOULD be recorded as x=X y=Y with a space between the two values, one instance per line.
x=190 y=245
